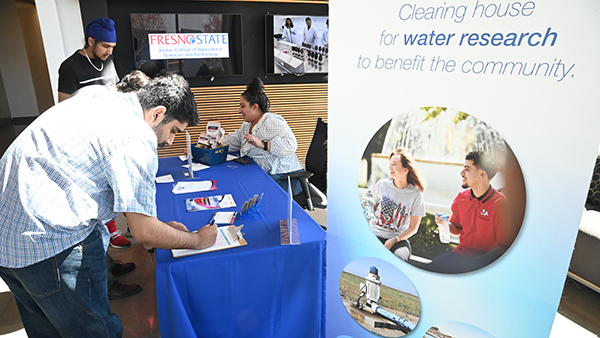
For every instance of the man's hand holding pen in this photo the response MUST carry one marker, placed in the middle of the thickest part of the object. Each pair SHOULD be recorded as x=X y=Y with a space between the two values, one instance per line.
x=208 y=235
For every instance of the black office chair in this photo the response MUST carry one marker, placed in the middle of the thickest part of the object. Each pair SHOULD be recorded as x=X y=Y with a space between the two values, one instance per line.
x=314 y=179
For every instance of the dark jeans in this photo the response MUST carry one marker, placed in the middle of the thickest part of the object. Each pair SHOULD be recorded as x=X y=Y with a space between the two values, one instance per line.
x=451 y=262
x=66 y=295
x=296 y=187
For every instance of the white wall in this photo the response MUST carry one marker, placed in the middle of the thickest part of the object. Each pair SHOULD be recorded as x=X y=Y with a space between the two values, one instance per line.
x=62 y=32
x=14 y=65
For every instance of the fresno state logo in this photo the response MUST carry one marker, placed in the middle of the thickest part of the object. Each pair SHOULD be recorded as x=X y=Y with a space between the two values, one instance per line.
x=188 y=39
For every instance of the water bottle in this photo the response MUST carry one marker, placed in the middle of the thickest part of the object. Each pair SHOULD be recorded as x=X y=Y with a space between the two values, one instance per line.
x=444 y=228
x=368 y=204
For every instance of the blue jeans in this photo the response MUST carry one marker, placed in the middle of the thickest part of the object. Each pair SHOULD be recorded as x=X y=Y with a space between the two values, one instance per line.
x=296 y=187
x=66 y=295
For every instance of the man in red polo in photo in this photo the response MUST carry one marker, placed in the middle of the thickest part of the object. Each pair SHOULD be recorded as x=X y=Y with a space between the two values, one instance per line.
x=477 y=217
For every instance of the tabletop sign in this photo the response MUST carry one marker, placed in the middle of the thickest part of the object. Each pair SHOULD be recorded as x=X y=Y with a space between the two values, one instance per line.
x=288 y=228
x=189 y=174
x=289 y=233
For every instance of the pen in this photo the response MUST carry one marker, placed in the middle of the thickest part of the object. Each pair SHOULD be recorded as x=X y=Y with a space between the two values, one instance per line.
x=151 y=252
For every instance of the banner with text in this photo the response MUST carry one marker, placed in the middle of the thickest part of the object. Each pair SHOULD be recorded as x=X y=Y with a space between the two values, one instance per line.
x=454 y=207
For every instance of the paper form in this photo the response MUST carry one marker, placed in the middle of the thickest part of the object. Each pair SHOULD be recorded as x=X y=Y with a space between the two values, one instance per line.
x=224 y=241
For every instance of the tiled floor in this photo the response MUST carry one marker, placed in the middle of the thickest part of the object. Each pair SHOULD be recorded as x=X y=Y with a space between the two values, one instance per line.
x=581 y=305
x=138 y=313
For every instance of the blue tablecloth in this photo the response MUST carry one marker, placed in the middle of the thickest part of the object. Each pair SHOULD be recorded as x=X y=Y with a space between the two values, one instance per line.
x=263 y=289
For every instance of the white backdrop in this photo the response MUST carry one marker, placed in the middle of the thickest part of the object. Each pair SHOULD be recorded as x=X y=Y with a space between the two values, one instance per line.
x=549 y=118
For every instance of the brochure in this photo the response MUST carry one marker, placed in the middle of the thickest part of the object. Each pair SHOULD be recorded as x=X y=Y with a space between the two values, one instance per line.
x=209 y=202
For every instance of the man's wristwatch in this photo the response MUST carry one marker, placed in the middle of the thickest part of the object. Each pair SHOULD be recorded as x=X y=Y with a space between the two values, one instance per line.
x=266 y=145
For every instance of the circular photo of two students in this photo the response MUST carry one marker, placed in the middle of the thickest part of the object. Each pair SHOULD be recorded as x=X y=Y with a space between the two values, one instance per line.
x=442 y=190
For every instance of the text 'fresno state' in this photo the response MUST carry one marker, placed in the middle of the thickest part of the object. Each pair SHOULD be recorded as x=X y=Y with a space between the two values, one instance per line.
x=188 y=39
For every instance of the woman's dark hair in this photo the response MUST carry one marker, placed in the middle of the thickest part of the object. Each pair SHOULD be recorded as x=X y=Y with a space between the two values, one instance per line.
x=255 y=93
x=132 y=82
x=173 y=92
x=408 y=162
x=291 y=22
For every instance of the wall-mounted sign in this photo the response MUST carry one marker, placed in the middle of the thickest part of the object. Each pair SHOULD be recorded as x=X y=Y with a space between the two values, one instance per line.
x=188 y=46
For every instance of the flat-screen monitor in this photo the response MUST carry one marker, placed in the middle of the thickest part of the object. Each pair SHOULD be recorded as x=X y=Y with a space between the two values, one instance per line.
x=192 y=45
x=297 y=44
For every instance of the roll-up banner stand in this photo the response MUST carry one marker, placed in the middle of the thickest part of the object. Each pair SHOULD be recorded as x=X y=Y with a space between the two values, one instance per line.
x=515 y=82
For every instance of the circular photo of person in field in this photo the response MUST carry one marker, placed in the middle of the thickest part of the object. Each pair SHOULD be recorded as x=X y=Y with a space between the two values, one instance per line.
x=380 y=297
x=442 y=190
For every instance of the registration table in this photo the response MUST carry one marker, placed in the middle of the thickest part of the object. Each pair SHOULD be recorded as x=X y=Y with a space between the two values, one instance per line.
x=262 y=289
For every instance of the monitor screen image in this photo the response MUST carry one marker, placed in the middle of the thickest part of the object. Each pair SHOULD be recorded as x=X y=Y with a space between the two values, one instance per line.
x=192 y=45
x=297 y=44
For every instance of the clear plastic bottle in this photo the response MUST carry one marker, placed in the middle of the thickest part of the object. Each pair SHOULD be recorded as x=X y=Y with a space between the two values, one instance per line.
x=444 y=228
x=368 y=204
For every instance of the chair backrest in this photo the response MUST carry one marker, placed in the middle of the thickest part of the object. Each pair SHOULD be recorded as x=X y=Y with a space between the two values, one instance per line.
x=316 y=157
x=594 y=190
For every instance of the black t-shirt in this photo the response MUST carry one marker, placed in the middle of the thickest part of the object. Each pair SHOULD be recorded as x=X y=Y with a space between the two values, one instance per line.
x=76 y=72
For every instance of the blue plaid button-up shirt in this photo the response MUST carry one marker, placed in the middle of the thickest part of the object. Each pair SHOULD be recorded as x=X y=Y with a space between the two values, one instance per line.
x=73 y=169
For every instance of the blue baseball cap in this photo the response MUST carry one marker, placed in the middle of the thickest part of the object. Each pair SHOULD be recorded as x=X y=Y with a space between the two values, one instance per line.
x=102 y=29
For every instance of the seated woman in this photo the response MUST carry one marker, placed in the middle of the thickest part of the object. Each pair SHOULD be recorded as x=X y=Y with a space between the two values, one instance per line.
x=398 y=205
x=265 y=137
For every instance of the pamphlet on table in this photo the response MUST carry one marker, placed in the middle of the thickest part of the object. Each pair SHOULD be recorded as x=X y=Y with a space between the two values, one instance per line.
x=209 y=202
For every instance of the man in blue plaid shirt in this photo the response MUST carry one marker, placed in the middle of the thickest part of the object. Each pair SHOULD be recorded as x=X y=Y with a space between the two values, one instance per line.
x=73 y=169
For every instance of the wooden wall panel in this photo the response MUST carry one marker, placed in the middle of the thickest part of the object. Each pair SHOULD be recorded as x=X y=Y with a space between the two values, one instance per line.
x=299 y=104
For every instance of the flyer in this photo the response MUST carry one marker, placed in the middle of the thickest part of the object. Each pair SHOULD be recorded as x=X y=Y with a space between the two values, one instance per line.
x=209 y=202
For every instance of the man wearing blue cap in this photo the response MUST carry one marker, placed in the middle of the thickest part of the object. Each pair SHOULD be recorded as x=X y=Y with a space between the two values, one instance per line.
x=91 y=64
